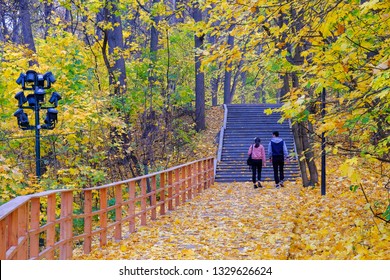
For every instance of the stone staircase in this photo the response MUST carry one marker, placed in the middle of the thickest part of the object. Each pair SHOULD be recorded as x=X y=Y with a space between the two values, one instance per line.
x=244 y=122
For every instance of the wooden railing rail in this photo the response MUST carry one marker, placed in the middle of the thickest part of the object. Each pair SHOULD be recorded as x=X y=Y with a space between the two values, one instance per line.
x=52 y=224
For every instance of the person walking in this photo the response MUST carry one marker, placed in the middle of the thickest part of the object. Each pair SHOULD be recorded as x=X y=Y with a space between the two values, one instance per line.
x=258 y=161
x=277 y=153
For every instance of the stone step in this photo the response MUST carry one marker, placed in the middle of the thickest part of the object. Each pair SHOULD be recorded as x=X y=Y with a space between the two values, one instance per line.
x=245 y=122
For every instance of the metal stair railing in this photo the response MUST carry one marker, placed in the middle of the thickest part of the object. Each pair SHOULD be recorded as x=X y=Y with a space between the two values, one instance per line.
x=221 y=134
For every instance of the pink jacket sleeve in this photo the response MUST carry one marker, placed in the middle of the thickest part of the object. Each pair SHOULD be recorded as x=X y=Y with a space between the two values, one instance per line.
x=263 y=155
x=250 y=150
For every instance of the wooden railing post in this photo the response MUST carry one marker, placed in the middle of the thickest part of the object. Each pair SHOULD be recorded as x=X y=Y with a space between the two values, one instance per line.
x=170 y=191
x=184 y=185
x=118 y=212
x=131 y=209
x=143 y=201
x=153 y=198
x=51 y=217
x=206 y=173
x=22 y=253
x=162 y=193
x=34 y=227
x=213 y=171
x=189 y=181
x=177 y=187
x=103 y=216
x=13 y=230
x=195 y=178
x=66 y=231
x=199 y=173
x=3 y=238
x=210 y=173
x=87 y=221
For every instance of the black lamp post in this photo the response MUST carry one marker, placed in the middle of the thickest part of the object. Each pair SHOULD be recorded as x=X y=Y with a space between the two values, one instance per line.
x=37 y=83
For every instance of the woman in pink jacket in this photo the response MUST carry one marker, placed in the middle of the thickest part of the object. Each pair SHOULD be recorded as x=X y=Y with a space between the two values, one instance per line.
x=258 y=161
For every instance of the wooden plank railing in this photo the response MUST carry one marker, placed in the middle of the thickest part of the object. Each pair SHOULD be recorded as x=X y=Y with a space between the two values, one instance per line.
x=52 y=224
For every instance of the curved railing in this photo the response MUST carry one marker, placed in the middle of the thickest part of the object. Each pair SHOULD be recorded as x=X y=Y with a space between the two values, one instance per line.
x=52 y=224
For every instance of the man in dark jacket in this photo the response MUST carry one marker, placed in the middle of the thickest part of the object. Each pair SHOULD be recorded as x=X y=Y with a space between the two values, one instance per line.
x=277 y=153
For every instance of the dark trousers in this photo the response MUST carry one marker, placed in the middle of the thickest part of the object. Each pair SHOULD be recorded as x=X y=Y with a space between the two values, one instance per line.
x=256 y=168
x=278 y=165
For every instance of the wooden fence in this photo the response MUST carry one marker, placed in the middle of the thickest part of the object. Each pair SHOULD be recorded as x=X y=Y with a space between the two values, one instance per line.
x=51 y=224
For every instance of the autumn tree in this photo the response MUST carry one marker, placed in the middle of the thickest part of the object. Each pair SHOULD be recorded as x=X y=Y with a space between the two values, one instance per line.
x=113 y=37
x=27 y=34
x=302 y=129
x=48 y=9
x=227 y=80
x=314 y=45
x=199 y=74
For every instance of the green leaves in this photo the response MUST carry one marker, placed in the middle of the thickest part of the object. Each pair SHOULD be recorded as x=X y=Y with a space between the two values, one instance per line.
x=354 y=188
x=386 y=215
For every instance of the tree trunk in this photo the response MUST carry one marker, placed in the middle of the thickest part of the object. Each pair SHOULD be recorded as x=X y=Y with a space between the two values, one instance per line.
x=216 y=78
x=68 y=19
x=243 y=81
x=297 y=132
x=285 y=88
x=227 y=96
x=115 y=64
x=257 y=94
x=299 y=146
x=308 y=142
x=149 y=117
x=15 y=38
x=134 y=30
x=153 y=48
x=263 y=93
x=260 y=94
x=28 y=38
x=4 y=29
x=226 y=86
x=214 y=90
x=48 y=8
x=200 y=118
x=154 y=36
x=236 y=79
x=117 y=72
x=305 y=147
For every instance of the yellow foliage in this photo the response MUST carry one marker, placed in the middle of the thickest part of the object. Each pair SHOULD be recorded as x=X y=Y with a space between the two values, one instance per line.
x=234 y=221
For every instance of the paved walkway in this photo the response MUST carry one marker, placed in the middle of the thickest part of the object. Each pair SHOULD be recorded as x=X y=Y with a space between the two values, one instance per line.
x=227 y=221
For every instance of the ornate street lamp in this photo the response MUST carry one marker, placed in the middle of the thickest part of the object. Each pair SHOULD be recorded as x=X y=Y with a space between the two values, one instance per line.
x=38 y=83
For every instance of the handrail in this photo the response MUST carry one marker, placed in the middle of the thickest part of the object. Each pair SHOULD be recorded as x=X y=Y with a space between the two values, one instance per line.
x=47 y=225
x=146 y=176
x=221 y=134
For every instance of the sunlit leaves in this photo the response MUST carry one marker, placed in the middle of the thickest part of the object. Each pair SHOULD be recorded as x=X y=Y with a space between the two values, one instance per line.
x=344 y=46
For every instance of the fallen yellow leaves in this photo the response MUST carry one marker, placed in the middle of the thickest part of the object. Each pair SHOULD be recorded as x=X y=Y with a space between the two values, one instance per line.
x=235 y=221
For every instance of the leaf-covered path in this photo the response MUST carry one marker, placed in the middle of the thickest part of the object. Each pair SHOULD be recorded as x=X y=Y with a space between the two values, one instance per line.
x=228 y=221
x=235 y=221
